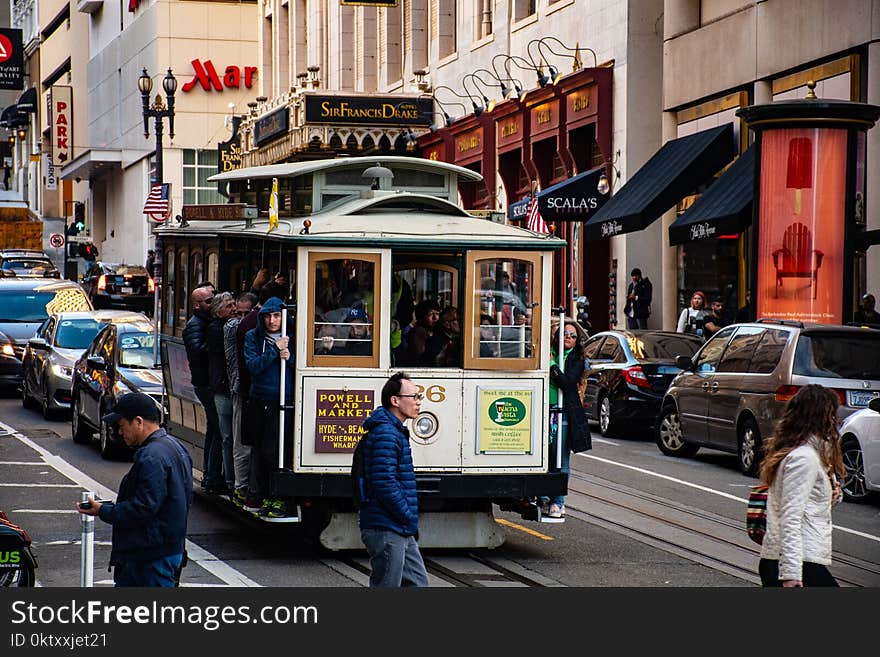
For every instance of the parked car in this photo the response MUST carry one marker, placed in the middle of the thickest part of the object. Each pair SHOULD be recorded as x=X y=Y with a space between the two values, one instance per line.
x=732 y=392
x=24 y=263
x=25 y=303
x=10 y=362
x=628 y=373
x=117 y=285
x=119 y=360
x=47 y=364
x=860 y=437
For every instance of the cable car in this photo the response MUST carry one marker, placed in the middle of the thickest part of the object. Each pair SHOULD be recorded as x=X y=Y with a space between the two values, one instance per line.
x=382 y=239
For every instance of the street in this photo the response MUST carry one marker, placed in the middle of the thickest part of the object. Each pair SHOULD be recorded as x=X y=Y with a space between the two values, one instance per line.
x=634 y=518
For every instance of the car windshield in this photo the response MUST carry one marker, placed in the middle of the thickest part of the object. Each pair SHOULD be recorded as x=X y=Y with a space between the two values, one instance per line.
x=838 y=355
x=76 y=333
x=17 y=305
x=125 y=270
x=136 y=350
x=28 y=265
x=665 y=347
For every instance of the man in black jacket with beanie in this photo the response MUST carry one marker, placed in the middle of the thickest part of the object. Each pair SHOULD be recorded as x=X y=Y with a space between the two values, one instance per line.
x=150 y=513
x=638 y=301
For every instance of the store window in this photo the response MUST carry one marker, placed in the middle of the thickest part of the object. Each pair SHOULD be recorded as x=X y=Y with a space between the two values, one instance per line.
x=501 y=329
x=344 y=328
x=198 y=166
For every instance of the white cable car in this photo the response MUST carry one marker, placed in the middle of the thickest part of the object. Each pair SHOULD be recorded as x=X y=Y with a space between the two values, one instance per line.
x=364 y=245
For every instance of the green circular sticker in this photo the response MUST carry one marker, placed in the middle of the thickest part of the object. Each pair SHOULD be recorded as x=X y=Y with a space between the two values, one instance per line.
x=507 y=411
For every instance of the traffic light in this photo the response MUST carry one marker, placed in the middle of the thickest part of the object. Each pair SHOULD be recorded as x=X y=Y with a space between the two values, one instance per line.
x=88 y=251
x=79 y=215
x=73 y=248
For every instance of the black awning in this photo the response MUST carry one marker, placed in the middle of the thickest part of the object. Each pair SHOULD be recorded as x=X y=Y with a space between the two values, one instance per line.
x=724 y=209
x=27 y=102
x=12 y=118
x=575 y=199
x=680 y=166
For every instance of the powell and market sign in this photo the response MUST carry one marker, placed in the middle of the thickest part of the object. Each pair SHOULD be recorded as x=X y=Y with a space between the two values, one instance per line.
x=369 y=110
x=575 y=199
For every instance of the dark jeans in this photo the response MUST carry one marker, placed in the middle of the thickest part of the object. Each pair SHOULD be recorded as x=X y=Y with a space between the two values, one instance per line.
x=261 y=418
x=636 y=322
x=212 y=477
x=813 y=574
x=158 y=572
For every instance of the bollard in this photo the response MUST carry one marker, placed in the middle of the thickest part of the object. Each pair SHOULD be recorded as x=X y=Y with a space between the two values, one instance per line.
x=87 y=558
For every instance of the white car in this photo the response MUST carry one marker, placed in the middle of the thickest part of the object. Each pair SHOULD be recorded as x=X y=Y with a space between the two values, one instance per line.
x=860 y=435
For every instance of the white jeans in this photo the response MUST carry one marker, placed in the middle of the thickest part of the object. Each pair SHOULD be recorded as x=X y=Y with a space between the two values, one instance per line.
x=241 y=454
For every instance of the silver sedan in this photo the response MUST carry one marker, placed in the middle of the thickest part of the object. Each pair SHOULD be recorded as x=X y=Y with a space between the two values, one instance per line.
x=47 y=363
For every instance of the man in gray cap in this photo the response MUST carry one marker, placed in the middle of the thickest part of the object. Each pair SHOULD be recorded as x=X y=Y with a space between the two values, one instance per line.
x=151 y=509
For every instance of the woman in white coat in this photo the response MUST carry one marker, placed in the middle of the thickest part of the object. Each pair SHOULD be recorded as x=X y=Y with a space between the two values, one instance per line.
x=802 y=464
x=691 y=318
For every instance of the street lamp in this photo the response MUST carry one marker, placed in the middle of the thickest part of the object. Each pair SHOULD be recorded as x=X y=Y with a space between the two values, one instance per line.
x=158 y=112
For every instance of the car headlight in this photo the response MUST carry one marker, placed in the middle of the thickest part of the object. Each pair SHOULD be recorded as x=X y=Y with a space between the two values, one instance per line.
x=425 y=426
x=120 y=388
x=7 y=350
x=62 y=370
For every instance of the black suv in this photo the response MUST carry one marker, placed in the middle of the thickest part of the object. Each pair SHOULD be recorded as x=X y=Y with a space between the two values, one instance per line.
x=731 y=393
x=117 y=285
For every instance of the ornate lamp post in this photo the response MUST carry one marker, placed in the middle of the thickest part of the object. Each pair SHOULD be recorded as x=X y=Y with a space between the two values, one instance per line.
x=158 y=112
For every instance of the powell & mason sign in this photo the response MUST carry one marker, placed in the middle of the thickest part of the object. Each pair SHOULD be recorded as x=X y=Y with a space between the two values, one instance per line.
x=368 y=110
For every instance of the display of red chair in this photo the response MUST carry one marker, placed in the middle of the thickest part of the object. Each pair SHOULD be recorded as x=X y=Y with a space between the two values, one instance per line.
x=796 y=258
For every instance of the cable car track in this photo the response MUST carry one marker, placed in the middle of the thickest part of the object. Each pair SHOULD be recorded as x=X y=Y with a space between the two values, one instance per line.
x=855 y=573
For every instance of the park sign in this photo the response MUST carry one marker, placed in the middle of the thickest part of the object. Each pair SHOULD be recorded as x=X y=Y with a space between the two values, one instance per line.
x=61 y=123
x=11 y=60
x=369 y=110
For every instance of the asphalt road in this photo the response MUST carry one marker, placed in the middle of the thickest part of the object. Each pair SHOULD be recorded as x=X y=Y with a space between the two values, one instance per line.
x=634 y=518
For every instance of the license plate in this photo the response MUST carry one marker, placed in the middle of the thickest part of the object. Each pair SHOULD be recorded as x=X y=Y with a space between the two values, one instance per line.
x=127 y=290
x=860 y=398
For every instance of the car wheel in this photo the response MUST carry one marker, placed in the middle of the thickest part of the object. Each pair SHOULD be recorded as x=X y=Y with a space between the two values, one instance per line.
x=605 y=425
x=854 y=487
x=749 y=447
x=45 y=406
x=108 y=446
x=670 y=438
x=81 y=432
x=26 y=400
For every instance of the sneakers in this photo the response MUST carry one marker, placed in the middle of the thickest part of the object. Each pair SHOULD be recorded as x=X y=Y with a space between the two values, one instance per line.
x=238 y=497
x=274 y=509
x=253 y=504
x=556 y=510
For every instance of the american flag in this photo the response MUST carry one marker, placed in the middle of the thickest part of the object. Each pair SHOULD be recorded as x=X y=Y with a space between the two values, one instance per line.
x=533 y=218
x=158 y=205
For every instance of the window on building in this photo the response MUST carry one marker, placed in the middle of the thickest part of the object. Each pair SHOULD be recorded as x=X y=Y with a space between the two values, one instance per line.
x=198 y=166
x=524 y=8
x=483 y=18
x=443 y=22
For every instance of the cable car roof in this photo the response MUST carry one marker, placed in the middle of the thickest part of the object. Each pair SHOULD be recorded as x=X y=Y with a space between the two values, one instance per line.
x=377 y=218
x=293 y=169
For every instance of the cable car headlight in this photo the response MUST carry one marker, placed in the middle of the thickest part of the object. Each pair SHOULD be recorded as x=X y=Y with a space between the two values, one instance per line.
x=425 y=426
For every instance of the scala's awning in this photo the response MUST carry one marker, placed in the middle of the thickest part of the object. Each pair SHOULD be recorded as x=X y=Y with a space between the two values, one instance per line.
x=724 y=209
x=575 y=199
x=27 y=102
x=680 y=166
x=518 y=210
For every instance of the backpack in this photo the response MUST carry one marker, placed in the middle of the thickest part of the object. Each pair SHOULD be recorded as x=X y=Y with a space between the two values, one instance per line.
x=359 y=475
x=756 y=513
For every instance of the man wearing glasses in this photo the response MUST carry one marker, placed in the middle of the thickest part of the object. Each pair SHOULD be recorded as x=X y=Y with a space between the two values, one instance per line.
x=389 y=516
x=195 y=339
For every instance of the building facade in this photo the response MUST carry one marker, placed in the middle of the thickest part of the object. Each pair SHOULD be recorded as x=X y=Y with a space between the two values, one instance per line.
x=771 y=51
x=211 y=49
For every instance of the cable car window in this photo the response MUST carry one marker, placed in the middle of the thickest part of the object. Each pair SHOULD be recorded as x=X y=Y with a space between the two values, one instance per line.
x=344 y=322
x=501 y=325
x=182 y=292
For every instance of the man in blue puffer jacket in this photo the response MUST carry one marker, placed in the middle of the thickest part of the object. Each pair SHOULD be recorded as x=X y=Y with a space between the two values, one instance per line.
x=389 y=519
